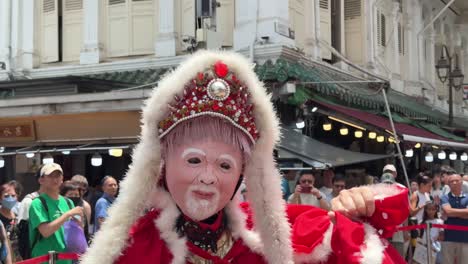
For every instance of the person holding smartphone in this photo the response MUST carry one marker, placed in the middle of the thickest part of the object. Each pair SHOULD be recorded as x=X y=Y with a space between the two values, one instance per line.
x=306 y=193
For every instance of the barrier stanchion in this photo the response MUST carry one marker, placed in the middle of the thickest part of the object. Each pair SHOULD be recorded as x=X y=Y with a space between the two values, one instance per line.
x=52 y=257
x=428 y=243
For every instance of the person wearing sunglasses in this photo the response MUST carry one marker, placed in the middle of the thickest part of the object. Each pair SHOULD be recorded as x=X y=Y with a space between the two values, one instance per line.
x=306 y=193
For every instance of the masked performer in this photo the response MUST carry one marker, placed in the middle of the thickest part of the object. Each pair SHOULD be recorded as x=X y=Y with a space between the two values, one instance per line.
x=208 y=126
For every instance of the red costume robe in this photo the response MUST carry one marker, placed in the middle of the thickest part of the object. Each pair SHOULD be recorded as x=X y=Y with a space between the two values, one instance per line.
x=314 y=238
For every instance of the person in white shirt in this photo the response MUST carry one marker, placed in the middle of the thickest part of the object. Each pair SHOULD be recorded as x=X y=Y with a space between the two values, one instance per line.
x=327 y=179
x=306 y=193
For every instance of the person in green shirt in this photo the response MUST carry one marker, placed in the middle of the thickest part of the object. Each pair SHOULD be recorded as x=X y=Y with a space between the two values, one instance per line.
x=46 y=224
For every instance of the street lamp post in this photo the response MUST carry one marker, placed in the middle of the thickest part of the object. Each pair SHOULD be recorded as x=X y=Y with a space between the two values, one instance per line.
x=455 y=76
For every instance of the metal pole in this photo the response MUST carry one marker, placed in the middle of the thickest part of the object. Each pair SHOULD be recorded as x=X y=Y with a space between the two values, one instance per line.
x=52 y=257
x=450 y=102
x=397 y=140
x=429 y=243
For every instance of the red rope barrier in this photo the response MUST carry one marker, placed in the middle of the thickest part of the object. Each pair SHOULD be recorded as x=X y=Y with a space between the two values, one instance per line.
x=45 y=258
x=423 y=226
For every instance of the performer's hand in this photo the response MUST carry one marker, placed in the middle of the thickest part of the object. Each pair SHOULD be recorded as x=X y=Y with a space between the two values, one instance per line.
x=354 y=203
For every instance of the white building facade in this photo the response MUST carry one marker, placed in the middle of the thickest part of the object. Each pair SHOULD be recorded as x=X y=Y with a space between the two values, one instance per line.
x=398 y=40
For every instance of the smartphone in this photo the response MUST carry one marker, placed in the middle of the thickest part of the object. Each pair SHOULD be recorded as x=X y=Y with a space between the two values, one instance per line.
x=306 y=189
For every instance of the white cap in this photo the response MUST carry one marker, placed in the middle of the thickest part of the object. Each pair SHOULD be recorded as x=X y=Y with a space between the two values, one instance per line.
x=389 y=167
x=47 y=169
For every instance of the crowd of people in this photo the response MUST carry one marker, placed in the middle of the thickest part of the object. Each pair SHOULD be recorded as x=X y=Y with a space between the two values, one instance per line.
x=438 y=196
x=40 y=219
x=60 y=216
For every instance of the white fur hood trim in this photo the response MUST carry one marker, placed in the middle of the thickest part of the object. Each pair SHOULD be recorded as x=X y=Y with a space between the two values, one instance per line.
x=140 y=182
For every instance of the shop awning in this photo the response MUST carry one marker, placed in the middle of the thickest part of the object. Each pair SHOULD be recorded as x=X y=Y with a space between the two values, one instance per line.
x=307 y=148
x=381 y=122
x=435 y=142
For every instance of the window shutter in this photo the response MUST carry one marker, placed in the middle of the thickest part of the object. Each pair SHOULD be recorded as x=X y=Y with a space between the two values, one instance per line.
x=379 y=28
x=116 y=2
x=297 y=21
x=142 y=31
x=188 y=18
x=71 y=5
x=324 y=4
x=401 y=39
x=383 y=38
x=72 y=21
x=225 y=21
x=325 y=27
x=352 y=9
x=353 y=30
x=50 y=34
x=118 y=29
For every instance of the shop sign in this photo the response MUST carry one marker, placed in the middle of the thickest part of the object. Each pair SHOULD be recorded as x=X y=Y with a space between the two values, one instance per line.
x=11 y=131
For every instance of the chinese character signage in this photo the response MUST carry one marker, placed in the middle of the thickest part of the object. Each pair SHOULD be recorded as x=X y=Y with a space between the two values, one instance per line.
x=11 y=131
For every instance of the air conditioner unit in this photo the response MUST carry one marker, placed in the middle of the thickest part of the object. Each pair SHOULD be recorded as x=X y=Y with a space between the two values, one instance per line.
x=209 y=39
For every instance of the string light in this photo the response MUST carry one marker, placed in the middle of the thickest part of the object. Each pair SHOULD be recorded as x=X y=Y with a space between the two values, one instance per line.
x=96 y=160
x=372 y=135
x=327 y=126
x=358 y=134
x=380 y=139
x=344 y=131
x=409 y=153
x=429 y=157
x=47 y=159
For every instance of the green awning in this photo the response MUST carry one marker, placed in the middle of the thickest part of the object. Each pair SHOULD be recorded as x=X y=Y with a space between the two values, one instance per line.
x=357 y=95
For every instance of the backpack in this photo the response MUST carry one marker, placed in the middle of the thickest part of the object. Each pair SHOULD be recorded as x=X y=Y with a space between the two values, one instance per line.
x=25 y=248
x=23 y=232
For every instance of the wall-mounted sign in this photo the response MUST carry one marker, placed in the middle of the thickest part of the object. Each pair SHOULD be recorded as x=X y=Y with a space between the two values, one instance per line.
x=12 y=131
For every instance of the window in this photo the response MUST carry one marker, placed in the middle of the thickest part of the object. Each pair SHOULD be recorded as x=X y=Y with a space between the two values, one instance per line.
x=401 y=39
x=381 y=34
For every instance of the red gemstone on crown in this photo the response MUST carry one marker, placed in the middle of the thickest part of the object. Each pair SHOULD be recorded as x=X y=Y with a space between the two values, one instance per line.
x=221 y=69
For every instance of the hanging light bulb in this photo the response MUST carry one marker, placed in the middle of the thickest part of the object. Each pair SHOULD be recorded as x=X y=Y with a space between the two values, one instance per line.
x=2 y=162
x=344 y=131
x=327 y=126
x=116 y=152
x=380 y=139
x=358 y=133
x=314 y=109
x=464 y=156
x=66 y=152
x=418 y=145
x=442 y=155
x=409 y=153
x=453 y=155
x=47 y=159
x=372 y=135
x=300 y=123
x=2 y=149
x=429 y=157
x=391 y=140
x=96 y=160
x=30 y=155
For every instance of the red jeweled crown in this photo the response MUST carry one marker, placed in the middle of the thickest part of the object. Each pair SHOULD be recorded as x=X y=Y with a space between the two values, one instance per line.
x=215 y=92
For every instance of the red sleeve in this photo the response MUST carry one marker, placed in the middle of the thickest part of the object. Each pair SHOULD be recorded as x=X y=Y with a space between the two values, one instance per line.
x=144 y=243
